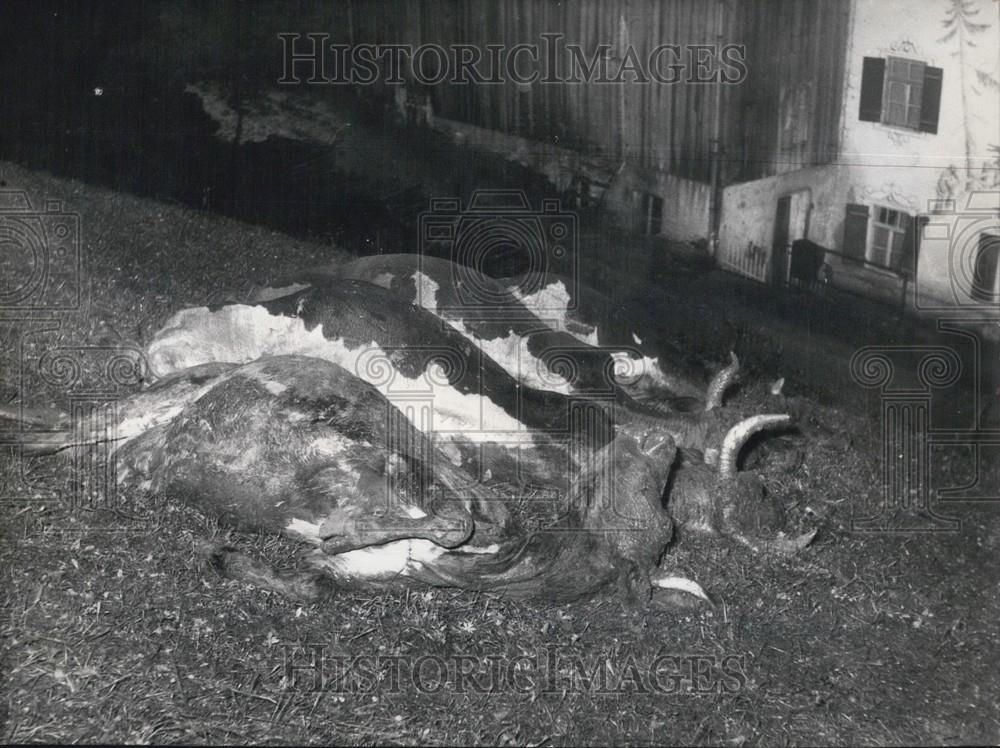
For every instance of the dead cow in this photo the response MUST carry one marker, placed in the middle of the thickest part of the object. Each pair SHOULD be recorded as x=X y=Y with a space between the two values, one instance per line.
x=479 y=416
x=300 y=446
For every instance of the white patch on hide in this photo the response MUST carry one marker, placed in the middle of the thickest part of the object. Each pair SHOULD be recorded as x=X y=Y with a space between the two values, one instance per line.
x=551 y=305
x=638 y=375
x=510 y=352
x=393 y=559
x=384 y=280
x=239 y=333
x=492 y=548
x=628 y=370
x=146 y=411
x=427 y=289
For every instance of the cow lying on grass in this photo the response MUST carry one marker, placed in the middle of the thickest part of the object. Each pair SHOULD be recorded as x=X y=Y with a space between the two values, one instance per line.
x=485 y=421
x=300 y=446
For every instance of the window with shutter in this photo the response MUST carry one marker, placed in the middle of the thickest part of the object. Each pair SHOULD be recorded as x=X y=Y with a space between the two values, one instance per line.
x=901 y=92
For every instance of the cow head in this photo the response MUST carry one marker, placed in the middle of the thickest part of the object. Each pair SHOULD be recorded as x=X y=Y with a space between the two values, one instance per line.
x=612 y=535
x=708 y=495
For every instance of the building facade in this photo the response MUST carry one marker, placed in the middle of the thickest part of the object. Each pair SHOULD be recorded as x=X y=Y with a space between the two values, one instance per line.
x=855 y=142
x=910 y=206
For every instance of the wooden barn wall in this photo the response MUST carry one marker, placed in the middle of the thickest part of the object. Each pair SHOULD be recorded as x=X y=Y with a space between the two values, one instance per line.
x=785 y=115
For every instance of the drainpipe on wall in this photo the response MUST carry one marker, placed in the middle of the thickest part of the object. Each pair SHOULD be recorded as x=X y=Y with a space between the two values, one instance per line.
x=715 y=198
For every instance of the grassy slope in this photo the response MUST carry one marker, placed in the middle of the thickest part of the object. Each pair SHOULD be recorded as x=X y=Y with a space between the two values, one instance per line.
x=128 y=637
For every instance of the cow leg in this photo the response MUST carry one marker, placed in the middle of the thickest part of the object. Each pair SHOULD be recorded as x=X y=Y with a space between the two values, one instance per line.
x=346 y=529
x=304 y=585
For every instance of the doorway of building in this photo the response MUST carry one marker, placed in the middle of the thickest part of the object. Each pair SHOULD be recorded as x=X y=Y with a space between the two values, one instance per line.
x=791 y=222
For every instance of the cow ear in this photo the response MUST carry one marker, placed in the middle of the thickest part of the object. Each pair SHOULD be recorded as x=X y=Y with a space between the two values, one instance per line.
x=872 y=77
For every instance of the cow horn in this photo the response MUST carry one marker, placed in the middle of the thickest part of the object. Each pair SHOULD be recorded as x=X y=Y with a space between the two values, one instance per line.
x=738 y=435
x=721 y=382
x=782 y=544
x=786 y=545
x=683 y=584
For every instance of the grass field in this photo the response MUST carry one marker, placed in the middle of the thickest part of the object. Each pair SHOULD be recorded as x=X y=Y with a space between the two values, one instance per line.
x=129 y=636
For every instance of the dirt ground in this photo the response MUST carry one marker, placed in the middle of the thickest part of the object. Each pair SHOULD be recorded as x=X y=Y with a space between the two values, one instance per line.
x=115 y=630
